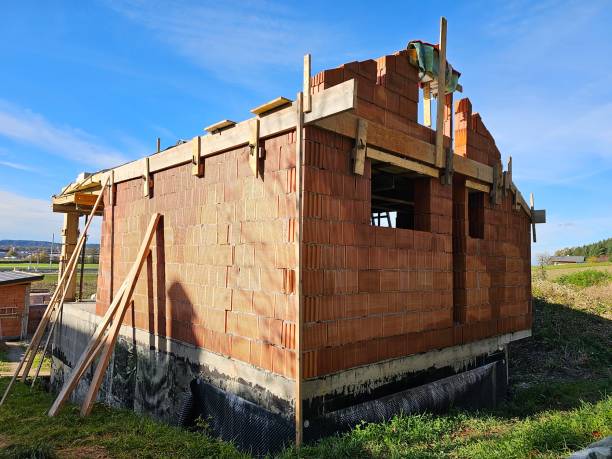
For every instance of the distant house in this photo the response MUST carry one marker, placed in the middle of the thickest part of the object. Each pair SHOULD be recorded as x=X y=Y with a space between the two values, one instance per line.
x=566 y=259
x=15 y=303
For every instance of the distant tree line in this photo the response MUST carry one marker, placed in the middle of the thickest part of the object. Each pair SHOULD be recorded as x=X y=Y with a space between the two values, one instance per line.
x=599 y=249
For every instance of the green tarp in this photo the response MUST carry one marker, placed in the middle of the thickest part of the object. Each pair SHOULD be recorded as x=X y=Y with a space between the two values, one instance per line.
x=427 y=55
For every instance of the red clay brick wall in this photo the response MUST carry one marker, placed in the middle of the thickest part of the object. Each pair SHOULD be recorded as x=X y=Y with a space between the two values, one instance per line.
x=472 y=138
x=370 y=293
x=387 y=92
x=229 y=251
x=12 y=307
x=492 y=282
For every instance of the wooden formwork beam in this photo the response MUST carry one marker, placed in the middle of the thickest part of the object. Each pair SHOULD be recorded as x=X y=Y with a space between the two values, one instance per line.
x=441 y=79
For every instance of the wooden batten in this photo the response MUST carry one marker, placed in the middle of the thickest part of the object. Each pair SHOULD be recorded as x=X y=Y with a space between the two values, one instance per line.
x=268 y=107
x=359 y=152
x=427 y=104
x=254 y=146
x=219 y=126
x=197 y=168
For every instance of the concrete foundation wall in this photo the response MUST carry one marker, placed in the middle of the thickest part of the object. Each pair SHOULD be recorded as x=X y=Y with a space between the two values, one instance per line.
x=150 y=373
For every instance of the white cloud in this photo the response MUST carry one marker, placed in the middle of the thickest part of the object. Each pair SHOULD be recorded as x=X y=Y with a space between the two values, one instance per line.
x=24 y=126
x=22 y=217
x=239 y=42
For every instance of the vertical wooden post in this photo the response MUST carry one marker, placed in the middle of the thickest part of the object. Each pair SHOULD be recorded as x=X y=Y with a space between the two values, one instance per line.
x=427 y=104
x=70 y=234
x=361 y=142
x=440 y=156
x=298 y=272
x=306 y=90
x=158 y=145
x=533 y=228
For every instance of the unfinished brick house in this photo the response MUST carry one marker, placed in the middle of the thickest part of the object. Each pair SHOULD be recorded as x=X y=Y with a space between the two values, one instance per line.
x=319 y=292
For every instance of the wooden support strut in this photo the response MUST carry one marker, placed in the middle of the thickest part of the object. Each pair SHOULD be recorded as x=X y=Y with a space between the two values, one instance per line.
x=440 y=156
x=299 y=415
x=361 y=142
x=111 y=338
x=30 y=352
x=427 y=104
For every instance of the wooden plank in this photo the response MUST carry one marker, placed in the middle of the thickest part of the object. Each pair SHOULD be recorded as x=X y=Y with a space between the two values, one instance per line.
x=306 y=88
x=471 y=168
x=404 y=163
x=197 y=168
x=111 y=338
x=85 y=199
x=158 y=145
x=381 y=136
x=359 y=152
x=427 y=105
x=88 y=355
x=508 y=175
x=262 y=109
x=219 y=126
x=299 y=415
x=478 y=186
x=441 y=93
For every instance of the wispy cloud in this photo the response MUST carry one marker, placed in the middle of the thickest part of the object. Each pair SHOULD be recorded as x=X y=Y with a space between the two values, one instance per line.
x=30 y=128
x=17 y=166
x=22 y=217
x=237 y=42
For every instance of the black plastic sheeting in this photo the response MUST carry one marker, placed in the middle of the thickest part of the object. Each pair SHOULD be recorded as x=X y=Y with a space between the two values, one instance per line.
x=250 y=427
x=258 y=431
x=477 y=388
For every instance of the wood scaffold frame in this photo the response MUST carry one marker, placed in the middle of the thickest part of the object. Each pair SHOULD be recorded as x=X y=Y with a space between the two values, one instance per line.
x=54 y=308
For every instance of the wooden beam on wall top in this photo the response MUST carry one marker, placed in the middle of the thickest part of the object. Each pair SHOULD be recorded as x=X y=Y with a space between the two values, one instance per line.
x=197 y=168
x=219 y=126
x=440 y=157
x=263 y=109
x=307 y=75
x=359 y=152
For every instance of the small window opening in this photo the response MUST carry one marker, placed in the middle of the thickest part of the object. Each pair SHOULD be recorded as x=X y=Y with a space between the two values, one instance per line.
x=399 y=200
x=476 y=214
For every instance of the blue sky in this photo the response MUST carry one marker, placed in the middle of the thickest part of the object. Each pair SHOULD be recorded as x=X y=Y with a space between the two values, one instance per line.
x=87 y=85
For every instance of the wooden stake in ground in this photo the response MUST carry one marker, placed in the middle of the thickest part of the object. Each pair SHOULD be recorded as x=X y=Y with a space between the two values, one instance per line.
x=30 y=353
x=111 y=338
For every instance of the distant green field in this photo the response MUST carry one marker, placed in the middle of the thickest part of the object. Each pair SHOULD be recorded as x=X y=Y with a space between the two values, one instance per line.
x=37 y=266
x=90 y=282
x=578 y=265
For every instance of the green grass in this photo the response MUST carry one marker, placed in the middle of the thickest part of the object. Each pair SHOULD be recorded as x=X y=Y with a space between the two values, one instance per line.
x=585 y=278
x=116 y=433
x=560 y=401
x=90 y=282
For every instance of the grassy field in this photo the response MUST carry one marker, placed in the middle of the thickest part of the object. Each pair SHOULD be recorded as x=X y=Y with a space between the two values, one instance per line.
x=37 y=266
x=90 y=282
x=560 y=400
